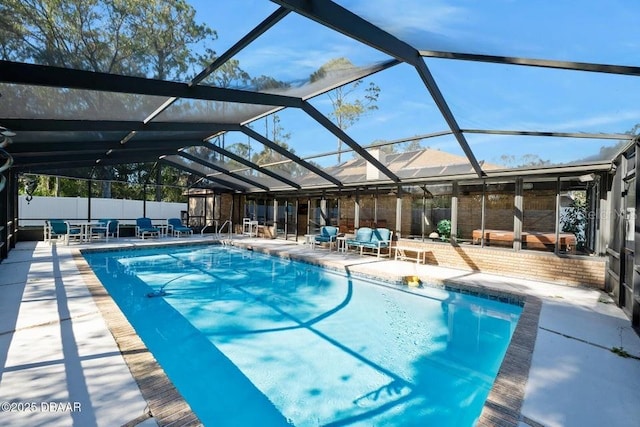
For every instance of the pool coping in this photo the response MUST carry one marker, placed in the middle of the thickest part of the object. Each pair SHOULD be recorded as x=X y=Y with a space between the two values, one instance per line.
x=502 y=407
x=166 y=405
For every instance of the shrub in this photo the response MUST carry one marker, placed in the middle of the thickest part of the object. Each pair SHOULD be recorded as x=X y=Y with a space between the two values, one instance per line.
x=444 y=228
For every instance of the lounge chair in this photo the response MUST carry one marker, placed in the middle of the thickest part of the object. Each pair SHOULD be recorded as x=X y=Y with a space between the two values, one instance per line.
x=61 y=229
x=145 y=228
x=328 y=234
x=375 y=239
x=177 y=229
x=106 y=228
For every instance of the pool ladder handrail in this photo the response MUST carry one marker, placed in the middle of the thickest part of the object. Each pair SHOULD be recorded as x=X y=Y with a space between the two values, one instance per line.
x=219 y=230
x=207 y=226
x=217 y=234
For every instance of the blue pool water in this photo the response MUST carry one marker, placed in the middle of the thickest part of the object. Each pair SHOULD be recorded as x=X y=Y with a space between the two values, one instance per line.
x=250 y=339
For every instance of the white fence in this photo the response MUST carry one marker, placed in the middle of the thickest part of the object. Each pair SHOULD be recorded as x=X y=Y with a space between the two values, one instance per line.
x=40 y=209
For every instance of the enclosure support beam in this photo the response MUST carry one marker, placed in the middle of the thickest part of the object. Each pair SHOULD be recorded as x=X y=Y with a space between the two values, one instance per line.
x=222 y=170
x=340 y=134
x=205 y=176
x=286 y=153
x=251 y=165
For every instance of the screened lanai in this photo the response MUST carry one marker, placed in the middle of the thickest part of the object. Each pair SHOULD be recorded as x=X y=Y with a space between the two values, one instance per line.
x=492 y=116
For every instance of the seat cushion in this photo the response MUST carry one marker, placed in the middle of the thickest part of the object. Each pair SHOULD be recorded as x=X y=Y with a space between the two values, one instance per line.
x=363 y=234
x=380 y=234
x=328 y=231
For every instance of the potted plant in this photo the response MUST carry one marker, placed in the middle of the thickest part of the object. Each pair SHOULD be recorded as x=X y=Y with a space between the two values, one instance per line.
x=444 y=229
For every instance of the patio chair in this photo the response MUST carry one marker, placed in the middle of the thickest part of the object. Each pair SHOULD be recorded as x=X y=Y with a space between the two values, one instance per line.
x=61 y=229
x=106 y=228
x=177 y=229
x=144 y=228
x=46 y=231
x=328 y=234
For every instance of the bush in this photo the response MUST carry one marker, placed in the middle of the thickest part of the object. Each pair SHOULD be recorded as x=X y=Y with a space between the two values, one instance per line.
x=444 y=229
x=574 y=219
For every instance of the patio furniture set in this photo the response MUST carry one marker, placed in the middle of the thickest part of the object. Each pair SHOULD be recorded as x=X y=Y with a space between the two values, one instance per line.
x=366 y=240
x=173 y=227
x=88 y=231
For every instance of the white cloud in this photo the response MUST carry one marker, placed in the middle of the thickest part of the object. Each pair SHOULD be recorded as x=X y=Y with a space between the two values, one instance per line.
x=586 y=123
x=400 y=16
x=599 y=120
x=287 y=62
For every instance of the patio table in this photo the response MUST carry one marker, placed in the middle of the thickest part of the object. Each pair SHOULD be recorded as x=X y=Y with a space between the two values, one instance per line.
x=85 y=229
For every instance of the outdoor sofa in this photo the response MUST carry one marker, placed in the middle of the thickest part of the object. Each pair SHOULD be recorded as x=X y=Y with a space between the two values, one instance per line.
x=375 y=240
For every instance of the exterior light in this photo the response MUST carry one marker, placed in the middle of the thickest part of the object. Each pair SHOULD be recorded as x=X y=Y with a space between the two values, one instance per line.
x=587 y=178
x=6 y=140
x=6 y=136
x=128 y=137
x=6 y=132
x=8 y=162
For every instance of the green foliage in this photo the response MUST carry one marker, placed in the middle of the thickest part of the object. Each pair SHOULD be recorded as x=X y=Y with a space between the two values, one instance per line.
x=621 y=352
x=267 y=156
x=152 y=38
x=574 y=218
x=53 y=186
x=49 y=186
x=444 y=229
x=609 y=152
x=349 y=102
x=526 y=160
x=229 y=74
x=268 y=83
x=400 y=147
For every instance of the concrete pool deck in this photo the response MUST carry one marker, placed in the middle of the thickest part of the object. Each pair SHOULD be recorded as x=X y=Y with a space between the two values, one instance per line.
x=60 y=364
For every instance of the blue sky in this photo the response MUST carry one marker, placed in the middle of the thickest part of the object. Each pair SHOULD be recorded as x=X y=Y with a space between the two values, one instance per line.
x=480 y=95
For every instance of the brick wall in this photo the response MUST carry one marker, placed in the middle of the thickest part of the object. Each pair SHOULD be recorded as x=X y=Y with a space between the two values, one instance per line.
x=546 y=267
x=539 y=210
x=226 y=200
x=470 y=215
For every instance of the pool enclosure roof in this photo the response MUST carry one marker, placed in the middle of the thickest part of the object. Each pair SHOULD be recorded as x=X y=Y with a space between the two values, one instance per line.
x=445 y=91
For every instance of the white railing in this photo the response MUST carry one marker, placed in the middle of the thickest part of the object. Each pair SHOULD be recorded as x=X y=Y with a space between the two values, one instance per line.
x=229 y=225
x=217 y=230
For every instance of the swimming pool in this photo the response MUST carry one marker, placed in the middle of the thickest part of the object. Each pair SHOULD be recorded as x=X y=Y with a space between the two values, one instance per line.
x=250 y=339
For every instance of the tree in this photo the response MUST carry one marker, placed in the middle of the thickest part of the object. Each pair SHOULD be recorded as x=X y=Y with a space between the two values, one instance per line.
x=347 y=109
x=229 y=74
x=526 y=160
x=402 y=147
x=574 y=218
x=609 y=152
x=151 y=38
x=135 y=37
x=265 y=83
x=167 y=29
x=242 y=149
x=277 y=134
